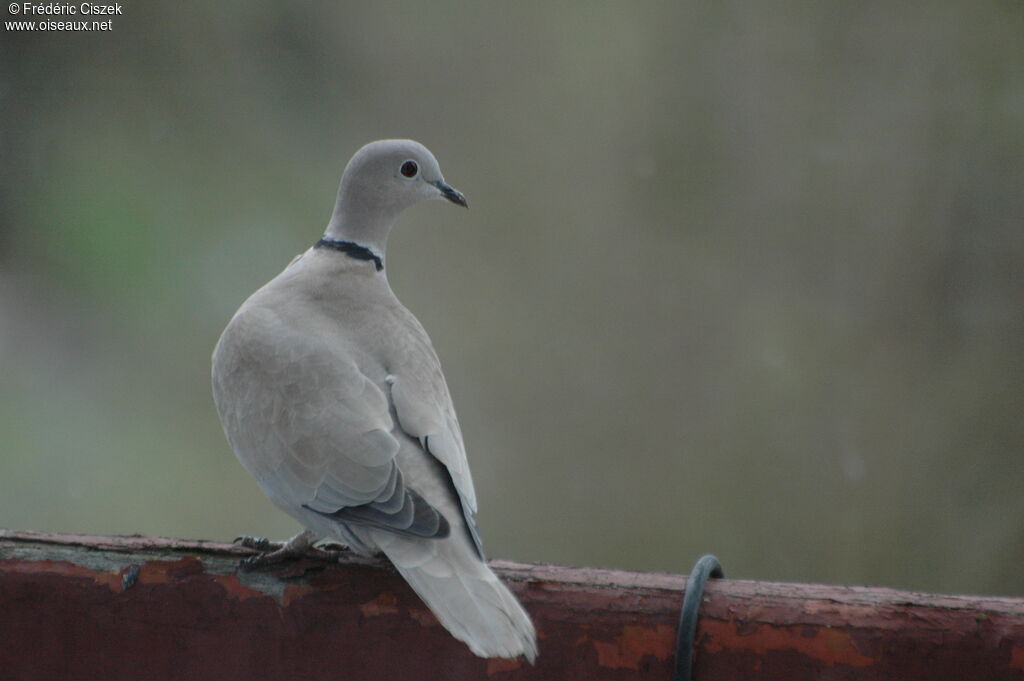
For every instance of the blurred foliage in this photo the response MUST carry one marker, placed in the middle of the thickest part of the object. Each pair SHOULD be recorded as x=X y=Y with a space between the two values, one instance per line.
x=741 y=278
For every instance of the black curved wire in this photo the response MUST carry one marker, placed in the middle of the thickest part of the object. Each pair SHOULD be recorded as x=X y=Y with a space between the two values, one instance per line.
x=706 y=566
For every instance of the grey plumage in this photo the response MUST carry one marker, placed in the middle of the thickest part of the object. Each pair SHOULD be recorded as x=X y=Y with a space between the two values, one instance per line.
x=332 y=397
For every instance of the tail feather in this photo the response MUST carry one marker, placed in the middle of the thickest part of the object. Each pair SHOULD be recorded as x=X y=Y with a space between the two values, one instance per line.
x=467 y=598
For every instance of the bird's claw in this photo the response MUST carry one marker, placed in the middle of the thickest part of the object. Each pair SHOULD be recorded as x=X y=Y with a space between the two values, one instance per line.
x=276 y=554
x=333 y=548
x=257 y=543
x=273 y=553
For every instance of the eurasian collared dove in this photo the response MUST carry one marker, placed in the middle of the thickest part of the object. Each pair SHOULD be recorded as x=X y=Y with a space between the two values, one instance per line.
x=332 y=397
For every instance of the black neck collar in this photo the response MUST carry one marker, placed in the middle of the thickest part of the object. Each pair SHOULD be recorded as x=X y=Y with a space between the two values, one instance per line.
x=351 y=249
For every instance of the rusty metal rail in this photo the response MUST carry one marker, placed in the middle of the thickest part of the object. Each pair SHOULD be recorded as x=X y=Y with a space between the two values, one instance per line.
x=145 y=608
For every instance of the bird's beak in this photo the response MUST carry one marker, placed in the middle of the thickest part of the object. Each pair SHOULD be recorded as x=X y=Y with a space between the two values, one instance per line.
x=451 y=193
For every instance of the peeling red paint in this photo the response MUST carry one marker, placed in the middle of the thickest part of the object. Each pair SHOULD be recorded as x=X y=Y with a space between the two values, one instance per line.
x=384 y=604
x=169 y=572
x=295 y=591
x=424 y=617
x=1017 y=657
x=111 y=580
x=188 y=616
x=500 y=665
x=628 y=649
x=747 y=628
x=832 y=646
x=236 y=589
x=849 y=613
x=164 y=571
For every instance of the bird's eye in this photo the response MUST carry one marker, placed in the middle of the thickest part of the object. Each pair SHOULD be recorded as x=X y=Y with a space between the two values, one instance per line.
x=409 y=169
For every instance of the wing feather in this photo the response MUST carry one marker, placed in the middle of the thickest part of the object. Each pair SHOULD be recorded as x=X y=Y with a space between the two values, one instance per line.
x=425 y=412
x=313 y=429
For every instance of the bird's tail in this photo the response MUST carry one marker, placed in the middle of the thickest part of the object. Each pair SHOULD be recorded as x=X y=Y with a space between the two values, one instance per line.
x=466 y=596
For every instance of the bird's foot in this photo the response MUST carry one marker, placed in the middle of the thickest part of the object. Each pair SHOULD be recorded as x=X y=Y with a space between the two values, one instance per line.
x=299 y=546
x=329 y=551
x=334 y=547
x=273 y=553
x=261 y=544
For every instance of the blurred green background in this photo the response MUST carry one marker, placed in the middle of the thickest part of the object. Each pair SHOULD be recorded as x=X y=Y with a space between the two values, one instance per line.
x=737 y=278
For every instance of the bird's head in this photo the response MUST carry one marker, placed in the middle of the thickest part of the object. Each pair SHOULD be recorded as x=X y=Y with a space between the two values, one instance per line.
x=397 y=174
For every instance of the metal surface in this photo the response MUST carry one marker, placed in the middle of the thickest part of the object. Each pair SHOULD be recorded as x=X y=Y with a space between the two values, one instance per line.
x=112 y=608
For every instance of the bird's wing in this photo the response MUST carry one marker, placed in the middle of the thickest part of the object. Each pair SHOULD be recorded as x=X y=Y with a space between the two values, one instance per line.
x=425 y=412
x=313 y=429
